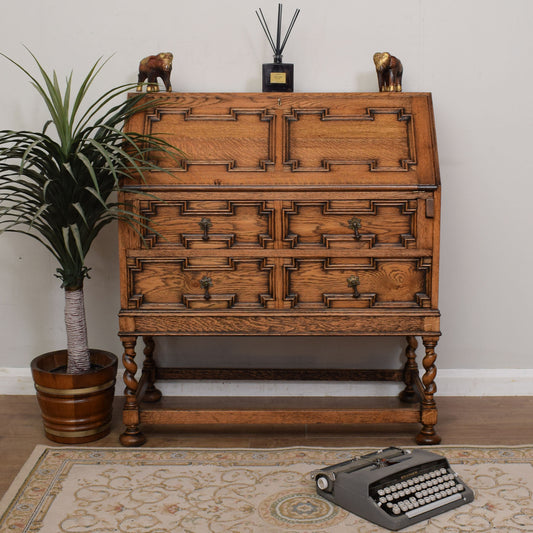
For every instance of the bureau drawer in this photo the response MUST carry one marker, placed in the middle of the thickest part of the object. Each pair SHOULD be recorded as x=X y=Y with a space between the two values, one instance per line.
x=198 y=283
x=207 y=224
x=352 y=224
x=358 y=283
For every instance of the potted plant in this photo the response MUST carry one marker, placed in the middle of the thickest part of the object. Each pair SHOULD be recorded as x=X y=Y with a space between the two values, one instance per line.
x=58 y=188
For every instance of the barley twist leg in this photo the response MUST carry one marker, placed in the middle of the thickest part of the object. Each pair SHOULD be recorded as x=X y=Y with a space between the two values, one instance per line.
x=410 y=369
x=428 y=407
x=132 y=435
x=152 y=393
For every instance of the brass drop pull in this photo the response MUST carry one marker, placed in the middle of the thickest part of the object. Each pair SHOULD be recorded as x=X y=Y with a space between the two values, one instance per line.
x=205 y=283
x=205 y=224
x=355 y=224
x=353 y=282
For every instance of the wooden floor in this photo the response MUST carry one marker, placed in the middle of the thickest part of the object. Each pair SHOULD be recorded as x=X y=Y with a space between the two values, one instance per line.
x=480 y=421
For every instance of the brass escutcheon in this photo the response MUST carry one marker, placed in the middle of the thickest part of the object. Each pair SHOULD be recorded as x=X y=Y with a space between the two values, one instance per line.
x=355 y=224
x=205 y=224
x=353 y=282
x=205 y=283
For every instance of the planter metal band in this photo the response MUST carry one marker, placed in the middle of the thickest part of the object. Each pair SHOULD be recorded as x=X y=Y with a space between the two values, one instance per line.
x=75 y=392
x=78 y=434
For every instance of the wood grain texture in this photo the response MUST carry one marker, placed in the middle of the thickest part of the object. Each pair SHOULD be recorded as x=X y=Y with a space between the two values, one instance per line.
x=290 y=214
x=75 y=408
x=282 y=416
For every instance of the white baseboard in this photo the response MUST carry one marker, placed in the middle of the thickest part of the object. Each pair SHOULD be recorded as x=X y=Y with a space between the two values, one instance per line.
x=450 y=382
x=16 y=381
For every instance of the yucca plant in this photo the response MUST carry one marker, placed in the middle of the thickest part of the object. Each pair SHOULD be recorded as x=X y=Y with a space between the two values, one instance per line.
x=59 y=187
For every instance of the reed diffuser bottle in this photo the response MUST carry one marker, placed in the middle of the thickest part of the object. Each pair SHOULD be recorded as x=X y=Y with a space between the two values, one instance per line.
x=277 y=76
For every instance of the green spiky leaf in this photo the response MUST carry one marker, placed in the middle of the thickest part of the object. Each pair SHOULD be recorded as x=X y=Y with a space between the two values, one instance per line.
x=59 y=188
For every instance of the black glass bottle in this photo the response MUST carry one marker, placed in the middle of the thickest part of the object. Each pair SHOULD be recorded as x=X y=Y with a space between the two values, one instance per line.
x=278 y=76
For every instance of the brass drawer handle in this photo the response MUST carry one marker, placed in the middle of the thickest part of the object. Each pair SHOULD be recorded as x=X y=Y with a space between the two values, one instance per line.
x=205 y=224
x=355 y=224
x=205 y=283
x=353 y=282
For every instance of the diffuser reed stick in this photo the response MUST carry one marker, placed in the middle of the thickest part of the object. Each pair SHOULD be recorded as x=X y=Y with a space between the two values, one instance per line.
x=279 y=45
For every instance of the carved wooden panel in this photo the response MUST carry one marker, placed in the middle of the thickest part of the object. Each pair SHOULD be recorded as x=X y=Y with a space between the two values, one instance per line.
x=237 y=139
x=181 y=283
x=381 y=138
x=351 y=224
x=208 y=224
x=392 y=283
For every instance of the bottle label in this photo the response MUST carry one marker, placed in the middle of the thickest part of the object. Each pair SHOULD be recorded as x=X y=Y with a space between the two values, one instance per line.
x=278 y=77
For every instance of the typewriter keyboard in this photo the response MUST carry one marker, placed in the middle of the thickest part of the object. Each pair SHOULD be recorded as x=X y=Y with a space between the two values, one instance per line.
x=418 y=493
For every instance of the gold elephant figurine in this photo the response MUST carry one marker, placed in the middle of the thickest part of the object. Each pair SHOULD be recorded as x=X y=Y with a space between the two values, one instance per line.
x=389 y=70
x=153 y=67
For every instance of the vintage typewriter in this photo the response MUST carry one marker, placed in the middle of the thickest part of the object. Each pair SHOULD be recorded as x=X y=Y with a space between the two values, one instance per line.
x=393 y=488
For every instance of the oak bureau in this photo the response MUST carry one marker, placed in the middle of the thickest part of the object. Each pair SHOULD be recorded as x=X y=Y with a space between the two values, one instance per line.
x=291 y=214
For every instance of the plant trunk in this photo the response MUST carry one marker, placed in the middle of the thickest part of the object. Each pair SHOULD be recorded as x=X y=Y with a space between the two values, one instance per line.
x=79 y=360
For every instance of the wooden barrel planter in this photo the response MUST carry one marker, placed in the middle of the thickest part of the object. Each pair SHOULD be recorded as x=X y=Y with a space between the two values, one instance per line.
x=75 y=408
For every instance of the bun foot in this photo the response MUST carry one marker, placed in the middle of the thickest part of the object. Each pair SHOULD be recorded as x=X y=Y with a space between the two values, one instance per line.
x=427 y=436
x=132 y=438
x=152 y=395
x=408 y=396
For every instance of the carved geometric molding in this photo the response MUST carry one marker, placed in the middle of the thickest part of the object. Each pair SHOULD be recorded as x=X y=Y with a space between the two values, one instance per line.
x=217 y=301
x=382 y=223
x=216 y=240
x=347 y=301
x=245 y=223
x=241 y=140
x=385 y=283
x=382 y=138
x=176 y=283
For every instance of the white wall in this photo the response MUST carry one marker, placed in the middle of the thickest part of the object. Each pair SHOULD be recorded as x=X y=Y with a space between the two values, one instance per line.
x=473 y=56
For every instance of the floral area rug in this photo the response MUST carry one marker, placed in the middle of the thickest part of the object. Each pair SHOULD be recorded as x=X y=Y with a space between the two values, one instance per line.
x=104 y=490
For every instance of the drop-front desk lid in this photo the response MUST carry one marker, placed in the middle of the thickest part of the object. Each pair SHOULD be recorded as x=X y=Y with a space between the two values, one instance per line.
x=295 y=139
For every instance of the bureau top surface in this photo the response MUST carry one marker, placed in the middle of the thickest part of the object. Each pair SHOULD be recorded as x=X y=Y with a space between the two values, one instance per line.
x=278 y=140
